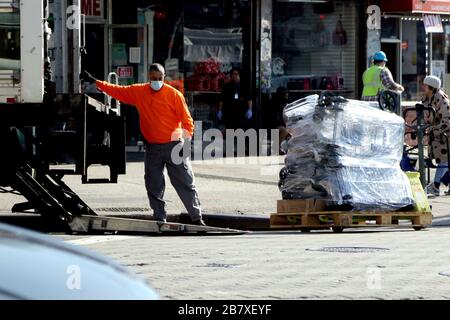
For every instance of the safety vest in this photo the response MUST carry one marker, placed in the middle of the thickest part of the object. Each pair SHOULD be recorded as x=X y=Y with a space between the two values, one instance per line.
x=372 y=81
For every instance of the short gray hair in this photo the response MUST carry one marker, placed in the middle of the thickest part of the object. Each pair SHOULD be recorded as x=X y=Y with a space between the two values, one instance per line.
x=156 y=67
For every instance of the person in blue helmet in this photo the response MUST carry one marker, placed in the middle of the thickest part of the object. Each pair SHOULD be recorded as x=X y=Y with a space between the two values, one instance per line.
x=378 y=78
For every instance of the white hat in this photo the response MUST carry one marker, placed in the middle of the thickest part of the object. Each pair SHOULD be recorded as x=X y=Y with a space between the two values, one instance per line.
x=432 y=81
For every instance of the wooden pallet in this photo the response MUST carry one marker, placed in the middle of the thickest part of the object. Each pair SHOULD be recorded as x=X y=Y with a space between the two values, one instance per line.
x=308 y=219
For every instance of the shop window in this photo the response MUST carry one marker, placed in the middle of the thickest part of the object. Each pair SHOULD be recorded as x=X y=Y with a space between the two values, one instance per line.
x=438 y=41
x=10 y=43
x=166 y=46
x=438 y=57
x=390 y=28
x=124 y=12
x=144 y=32
x=10 y=36
x=314 y=47
x=213 y=38
x=214 y=43
x=413 y=59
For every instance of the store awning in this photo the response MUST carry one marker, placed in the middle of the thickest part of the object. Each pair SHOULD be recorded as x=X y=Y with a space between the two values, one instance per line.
x=416 y=6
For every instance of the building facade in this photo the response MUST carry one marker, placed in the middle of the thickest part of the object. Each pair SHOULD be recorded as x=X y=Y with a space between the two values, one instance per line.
x=416 y=50
x=293 y=47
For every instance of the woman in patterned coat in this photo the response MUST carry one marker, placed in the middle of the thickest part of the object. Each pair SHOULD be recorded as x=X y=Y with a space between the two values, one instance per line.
x=440 y=125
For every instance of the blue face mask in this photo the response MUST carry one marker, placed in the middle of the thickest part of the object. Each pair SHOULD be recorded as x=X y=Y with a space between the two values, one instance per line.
x=156 y=85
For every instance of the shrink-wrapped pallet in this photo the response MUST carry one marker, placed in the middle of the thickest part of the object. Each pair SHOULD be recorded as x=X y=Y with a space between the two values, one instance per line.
x=345 y=151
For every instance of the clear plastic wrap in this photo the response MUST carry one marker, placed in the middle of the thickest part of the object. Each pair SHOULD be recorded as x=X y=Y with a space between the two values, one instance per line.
x=344 y=151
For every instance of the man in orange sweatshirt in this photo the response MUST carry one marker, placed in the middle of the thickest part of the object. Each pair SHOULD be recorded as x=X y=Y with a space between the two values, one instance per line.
x=164 y=117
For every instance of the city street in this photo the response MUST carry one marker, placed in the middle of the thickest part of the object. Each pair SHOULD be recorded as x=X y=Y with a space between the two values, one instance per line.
x=353 y=93
x=403 y=264
x=377 y=263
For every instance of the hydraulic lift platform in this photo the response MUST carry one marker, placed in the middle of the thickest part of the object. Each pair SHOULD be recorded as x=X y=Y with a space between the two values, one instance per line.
x=25 y=169
x=92 y=224
x=50 y=197
x=45 y=120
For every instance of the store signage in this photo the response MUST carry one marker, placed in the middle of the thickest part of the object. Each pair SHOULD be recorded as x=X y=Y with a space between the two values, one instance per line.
x=433 y=23
x=416 y=6
x=431 y=6
x=125 y=72
x=135 y=54
x=92 y=8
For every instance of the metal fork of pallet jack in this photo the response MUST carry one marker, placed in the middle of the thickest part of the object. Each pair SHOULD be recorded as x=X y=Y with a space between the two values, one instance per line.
x=54 y=200
x=49 y=196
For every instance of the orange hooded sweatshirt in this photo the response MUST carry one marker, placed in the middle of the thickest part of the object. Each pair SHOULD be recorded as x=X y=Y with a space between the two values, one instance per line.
x=163 y=114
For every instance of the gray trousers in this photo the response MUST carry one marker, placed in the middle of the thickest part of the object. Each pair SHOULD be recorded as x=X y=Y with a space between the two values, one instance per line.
x=158 y=156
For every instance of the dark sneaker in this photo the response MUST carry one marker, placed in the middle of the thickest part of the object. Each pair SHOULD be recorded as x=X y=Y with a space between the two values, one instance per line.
x=199 y=223
x=432 y=191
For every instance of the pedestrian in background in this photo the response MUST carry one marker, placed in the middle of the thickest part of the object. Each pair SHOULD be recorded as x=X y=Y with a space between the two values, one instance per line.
x=437 y=99
x=235 y=106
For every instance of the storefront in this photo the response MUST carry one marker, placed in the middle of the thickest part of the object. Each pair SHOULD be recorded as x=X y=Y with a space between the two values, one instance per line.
x=414 y=52
x=315 y=46
x=300 y=46
x=197 y=41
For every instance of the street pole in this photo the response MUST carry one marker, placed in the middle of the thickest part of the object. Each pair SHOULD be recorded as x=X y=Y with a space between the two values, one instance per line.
x=420 y=128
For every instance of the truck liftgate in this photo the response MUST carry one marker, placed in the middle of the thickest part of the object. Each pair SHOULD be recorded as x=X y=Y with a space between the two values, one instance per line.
x=69 y=129
x=46 y=122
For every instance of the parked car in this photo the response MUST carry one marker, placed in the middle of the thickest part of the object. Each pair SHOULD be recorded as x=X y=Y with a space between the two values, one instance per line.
x=37 y=266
